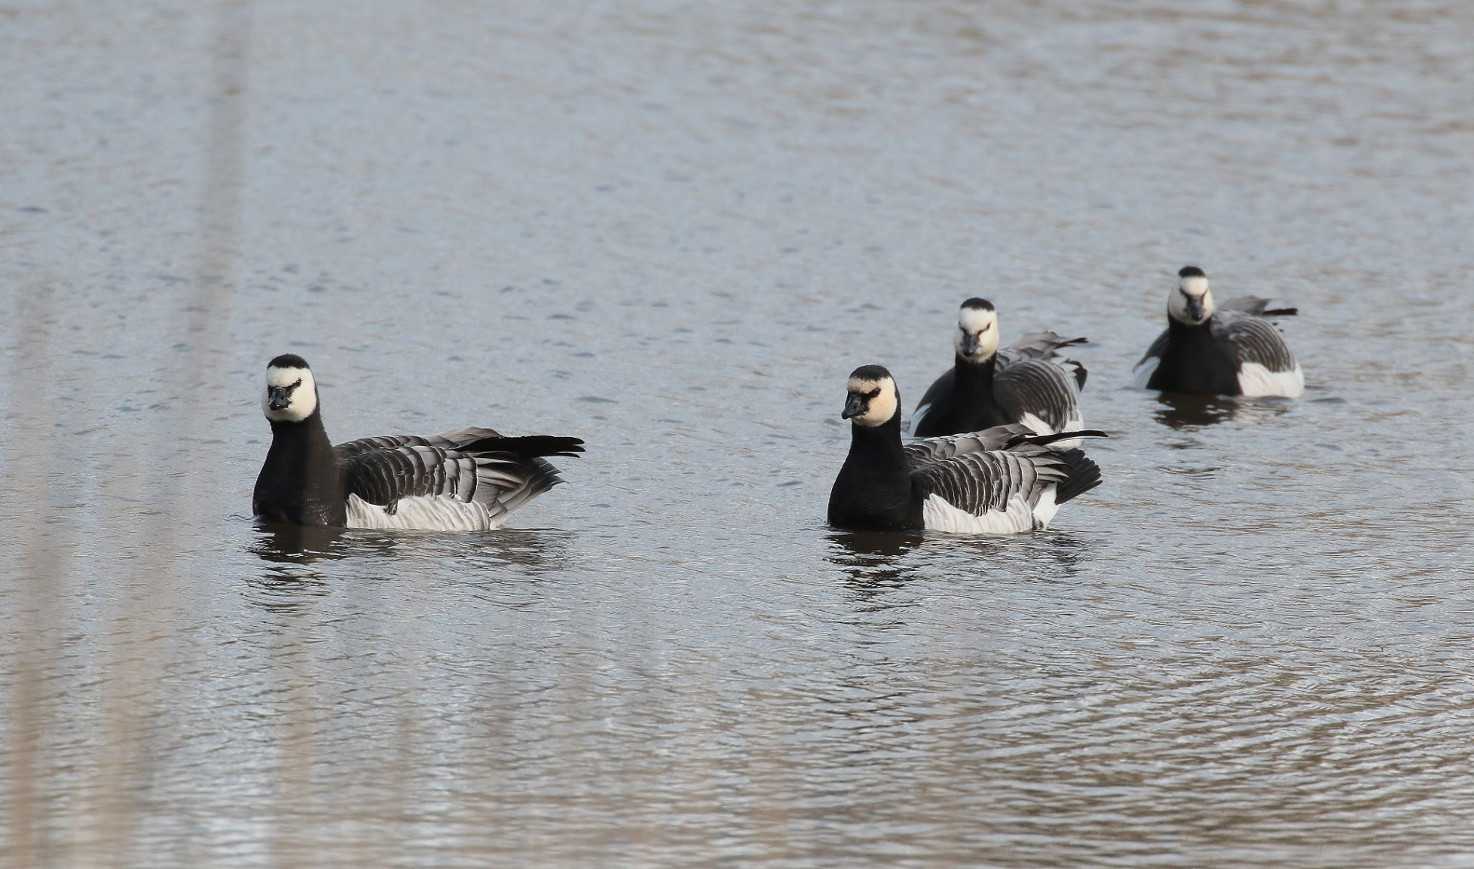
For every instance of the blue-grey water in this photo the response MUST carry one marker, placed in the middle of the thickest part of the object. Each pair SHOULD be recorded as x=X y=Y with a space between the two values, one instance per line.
x=672 y=229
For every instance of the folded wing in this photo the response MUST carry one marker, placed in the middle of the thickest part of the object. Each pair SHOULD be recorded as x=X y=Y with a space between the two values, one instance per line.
x=1002 y=480
x=470 y=479
x=1045 y=347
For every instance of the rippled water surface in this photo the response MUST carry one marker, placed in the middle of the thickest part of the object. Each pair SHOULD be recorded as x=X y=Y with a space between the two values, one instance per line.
x=672 y=230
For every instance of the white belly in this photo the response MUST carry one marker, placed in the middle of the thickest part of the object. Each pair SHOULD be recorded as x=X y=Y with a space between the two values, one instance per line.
x=1256 y=381
x=422 y=513
x=938 y=515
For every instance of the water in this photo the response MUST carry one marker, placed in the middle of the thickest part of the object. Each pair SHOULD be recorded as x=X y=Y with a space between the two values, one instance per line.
x=673 y=230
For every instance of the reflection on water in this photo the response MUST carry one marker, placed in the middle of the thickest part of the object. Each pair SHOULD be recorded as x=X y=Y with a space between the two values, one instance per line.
x=288 y=543
x=1187 y=410
x=873 y=560
x=878 y=561
x=533 y=550
x=868 y=548
x=298 y=560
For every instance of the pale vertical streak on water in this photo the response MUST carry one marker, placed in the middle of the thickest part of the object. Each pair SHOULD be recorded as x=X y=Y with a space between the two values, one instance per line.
x=672 y=230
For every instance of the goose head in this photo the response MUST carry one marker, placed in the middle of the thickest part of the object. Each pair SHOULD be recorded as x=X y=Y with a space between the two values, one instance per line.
x=872 y=398
x=291 y=393
x=1191 y=303
x=976 y=338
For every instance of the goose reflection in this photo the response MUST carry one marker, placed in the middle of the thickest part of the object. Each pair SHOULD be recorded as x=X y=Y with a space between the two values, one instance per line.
x=1180 y=411
x=873 y=558
x=289 y=543
x=297 y=560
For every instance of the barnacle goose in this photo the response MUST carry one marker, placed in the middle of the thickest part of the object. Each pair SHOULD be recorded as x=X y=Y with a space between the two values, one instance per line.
x=1226 y=350
x=467 y=480
x=1028 y=382
x=1002 y=480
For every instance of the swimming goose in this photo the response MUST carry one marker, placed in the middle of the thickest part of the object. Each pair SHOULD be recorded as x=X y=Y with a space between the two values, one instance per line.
x=467 y=480
x=1002 y=480
x=1226 y=350
x=1028 y=382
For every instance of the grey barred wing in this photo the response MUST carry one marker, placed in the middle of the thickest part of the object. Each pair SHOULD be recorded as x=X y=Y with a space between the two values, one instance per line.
x=1040 y=389
x=927 y=451
x=1044 y=347
x=464 y=480
x=986 y=481
x=1254 y=306
x=1255 y=340
x=994 y=492
x=383 y=470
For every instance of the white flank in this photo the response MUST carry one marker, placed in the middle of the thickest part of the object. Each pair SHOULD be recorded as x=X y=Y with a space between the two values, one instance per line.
x=1045 y=509
x=938 y=515
x=1256 y=381
x=422 y=513
x=1142 y=374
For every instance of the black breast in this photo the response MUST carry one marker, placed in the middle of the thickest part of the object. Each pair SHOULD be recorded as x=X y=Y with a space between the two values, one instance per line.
x=874 y=490
x=300 y=481
x=1193 y=360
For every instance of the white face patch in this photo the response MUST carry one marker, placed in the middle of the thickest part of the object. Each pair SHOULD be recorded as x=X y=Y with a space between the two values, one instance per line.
x=1191 y=293
x=881 y=407
x=296 y=387
x=977 y=334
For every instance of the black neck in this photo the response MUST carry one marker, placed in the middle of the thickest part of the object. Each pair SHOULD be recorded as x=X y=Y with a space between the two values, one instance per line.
x=1191 y=331
x=880 y=444
x=300 y=481
x=973 y=379
x=873 y=489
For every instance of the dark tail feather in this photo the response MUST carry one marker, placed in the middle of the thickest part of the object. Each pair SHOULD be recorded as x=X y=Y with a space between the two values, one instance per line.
x=1279 y=312
x=530 y=446
x=1084 y=475
x=1044 y=440
x=1080 y=373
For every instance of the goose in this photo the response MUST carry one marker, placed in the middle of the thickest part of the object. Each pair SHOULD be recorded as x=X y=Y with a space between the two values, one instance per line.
x=1028 y=382
x=466 y=480
x=1227 y=349
x=1002 y=480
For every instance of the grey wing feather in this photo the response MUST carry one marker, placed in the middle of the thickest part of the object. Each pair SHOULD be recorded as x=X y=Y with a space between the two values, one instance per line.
x=982 y=481
x=1035 y=345
x=927 y=451
x=448 y=440
x=382 y=470
x=1255 y=340
x=1042 y=388
x=1044 y=347
x=1253 y=305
